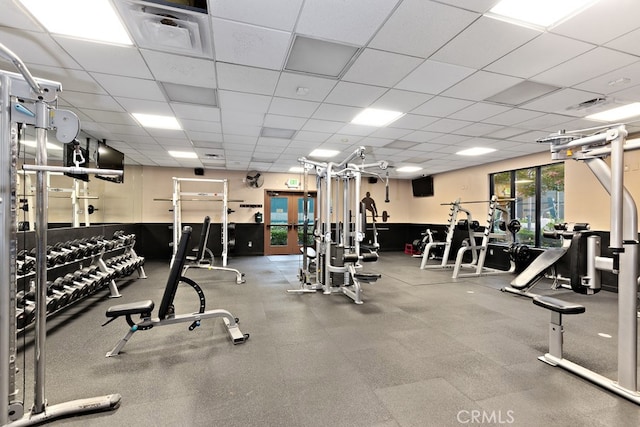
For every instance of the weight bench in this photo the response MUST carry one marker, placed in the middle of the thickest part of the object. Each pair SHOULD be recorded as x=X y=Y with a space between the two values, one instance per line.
x=535 y=272
x=166 y=312
x=350 y=261
x=204 y=257
x=557 y=308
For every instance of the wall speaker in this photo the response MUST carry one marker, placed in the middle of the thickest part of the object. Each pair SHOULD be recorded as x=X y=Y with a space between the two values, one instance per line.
x=373 y=180
x=198 y=171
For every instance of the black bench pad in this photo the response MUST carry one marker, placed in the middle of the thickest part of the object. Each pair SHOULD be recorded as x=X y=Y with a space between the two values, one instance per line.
x=557 y=305
x=139 y=307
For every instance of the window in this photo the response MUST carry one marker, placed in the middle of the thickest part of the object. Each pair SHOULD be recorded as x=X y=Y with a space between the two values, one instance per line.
x=538 y=204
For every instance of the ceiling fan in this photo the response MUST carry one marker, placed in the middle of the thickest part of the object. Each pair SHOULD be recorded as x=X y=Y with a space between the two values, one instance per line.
x=254 y=179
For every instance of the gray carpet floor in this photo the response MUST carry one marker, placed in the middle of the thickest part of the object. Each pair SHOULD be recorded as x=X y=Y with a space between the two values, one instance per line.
x=423 y=350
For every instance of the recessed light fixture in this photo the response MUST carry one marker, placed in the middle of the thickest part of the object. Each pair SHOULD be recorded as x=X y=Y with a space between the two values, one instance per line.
x=618 y=113
x=33 y=144
x=319 y=152
x=314 y=56
x=296 y=169
x=158 y=122
x=475 y=151
x=409 y=169
x=94 y=20
x=540 y=13
x=375 y=117
x=183 y=154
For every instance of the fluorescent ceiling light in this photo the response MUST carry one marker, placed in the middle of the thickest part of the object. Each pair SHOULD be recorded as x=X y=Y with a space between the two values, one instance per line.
x=618 y=113
x=158 y=122
x=319 y=152
x=375 y=117
x=94 y=20
x=191 y=94
x=50 y=146
x=296 y=169
x=277 y=133
x=475 y=151
x=542 y=13
x=409 y=169
x=183 y=154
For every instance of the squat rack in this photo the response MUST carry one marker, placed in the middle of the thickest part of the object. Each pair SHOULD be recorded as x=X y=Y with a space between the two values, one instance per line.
x=26 y=100
x=177 y=200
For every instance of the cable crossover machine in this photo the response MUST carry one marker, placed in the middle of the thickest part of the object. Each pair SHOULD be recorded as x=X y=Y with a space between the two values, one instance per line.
x=25 y=100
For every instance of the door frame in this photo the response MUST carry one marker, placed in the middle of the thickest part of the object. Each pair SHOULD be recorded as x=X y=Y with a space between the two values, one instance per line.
x=292 y=213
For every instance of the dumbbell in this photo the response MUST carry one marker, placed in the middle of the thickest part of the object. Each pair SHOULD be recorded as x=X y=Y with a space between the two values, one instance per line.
x=28 y=306
x=72 y=252
x=25 y=262
x=78 y=278
x=61 y=285
x=21 y=318
x=62 y=255
x=52 y=259
x=78 y=251
x=100 y=278
x=63 y=297
x=30 y=297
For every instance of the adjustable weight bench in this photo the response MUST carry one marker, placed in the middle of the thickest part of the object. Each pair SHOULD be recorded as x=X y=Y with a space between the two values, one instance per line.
x=166 y=312
x=204 y=256
x=535 y=272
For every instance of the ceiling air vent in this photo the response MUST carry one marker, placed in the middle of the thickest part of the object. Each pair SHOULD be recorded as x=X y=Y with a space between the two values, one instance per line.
x=166 y=28
x=591 y=105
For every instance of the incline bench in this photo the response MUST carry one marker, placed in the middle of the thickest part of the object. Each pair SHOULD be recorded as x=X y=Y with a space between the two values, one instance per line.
x=166 y=313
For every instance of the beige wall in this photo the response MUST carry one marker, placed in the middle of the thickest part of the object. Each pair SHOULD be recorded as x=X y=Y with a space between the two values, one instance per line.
x=133 y=201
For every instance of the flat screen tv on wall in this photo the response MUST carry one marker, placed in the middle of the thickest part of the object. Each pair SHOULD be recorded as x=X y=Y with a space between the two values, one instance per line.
x=422 y=187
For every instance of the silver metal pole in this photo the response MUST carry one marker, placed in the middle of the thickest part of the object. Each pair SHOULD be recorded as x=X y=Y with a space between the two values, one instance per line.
x=225 y=224
x=41 y=258
x=7 y=225
x=327 y=229
x=617 y=187
x=17 y=62
x=176 y=217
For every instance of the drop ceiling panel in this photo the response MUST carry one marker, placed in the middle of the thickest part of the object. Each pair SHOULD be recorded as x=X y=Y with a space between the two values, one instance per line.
x=506 y=133
x=400 y=100
x=421 y=136
x=615 y=81
x=433 y=24
x=630 y=94
x=586 y=66
x=354 y=21
x=513 y=116
x=434 y=77
x=337 y=138
x=110 y=117
x=278 y=14
x=129 y=87
x=389 y=132
x=234 y=117
x=178 y=69
x=480 y=6
x=283 y=122
x=336 y=112
x=249 y=45
x=146 y=107
x=560 y=101
x=243 y=101
x=240 y=128
x=481 y=85
x=292 y=107
x=413 y=121
x=446 y=125
x=318 y=87
x=200 y=126
x=36 y=48
x=195 y=112
x=311 y=136
x=543 y=122
x=612 y=23
x=106 y=58
x=440 y=106
x=540 y=54
x=627 y=43
x=389 y=68
x=354 y=94
x=479 y=111
x=478 y=129
x=246 y=79
x=72 y=80
x=91 y=100
x=497 y=38
x=359 y=130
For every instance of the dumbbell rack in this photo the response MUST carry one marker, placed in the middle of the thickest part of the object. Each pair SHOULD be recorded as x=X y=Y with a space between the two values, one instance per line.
x=119 y=248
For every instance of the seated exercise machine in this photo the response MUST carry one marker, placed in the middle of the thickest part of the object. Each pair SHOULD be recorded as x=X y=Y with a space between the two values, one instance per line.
x=604 y=142
x=204 y=257
x=340 y=229
x=479 y=252
x=570 y=234
x=166 y=313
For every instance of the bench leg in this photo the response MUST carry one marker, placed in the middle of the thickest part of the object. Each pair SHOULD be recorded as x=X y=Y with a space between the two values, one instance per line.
x=555 y=339
x=116 y=350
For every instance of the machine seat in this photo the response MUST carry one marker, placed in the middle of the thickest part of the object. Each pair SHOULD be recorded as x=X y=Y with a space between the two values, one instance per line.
x=139 y=307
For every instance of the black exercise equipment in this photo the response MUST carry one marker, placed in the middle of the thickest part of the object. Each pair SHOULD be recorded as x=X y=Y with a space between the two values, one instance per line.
x=166 y=312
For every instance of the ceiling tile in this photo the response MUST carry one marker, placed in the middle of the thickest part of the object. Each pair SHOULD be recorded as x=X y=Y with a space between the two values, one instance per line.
x=479 y=111
x=434 y=77
x=478 y=129
x=91 y=100
x=200 y=126
x=129 y=87
x=317 y=87
x=228 y=117
x=284 y=122
x=35 y=48
x=178 y=69
x=249 y=45
x=195 y=112
x=480 y=6
x=513 y=116
x=354 y=94
x=243 y=101
x=400 y=100
x=389 y=68
x=586 y=66
x=614 y=81
x=72 y=80
x=481 y=85
x=413 y=121
x=540 y=54
x=560 y=101
x=312 y=136
x=292 y=107
x=627 y=43
x=336 y=112
x=392 y=133
x=143 y=106
x=431 y=23
x=278 y=14
x=446 y=125
x=543 y=122
x=496 y=38
x=440 y=106
x=360 y=130
x=112 y=117
x=106 y=58
x=354 y=21
x=241 y=78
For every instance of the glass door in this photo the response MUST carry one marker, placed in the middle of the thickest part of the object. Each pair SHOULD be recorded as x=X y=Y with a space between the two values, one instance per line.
x=284 y=222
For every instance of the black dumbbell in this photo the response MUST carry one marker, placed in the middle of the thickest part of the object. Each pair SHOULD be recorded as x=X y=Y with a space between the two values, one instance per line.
x=21 y=318
x=28 y=306
x=52 y=259
x=77 y=278
x=52 y=303
x=63 y=297
x=62 y=285
x=99 y=277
